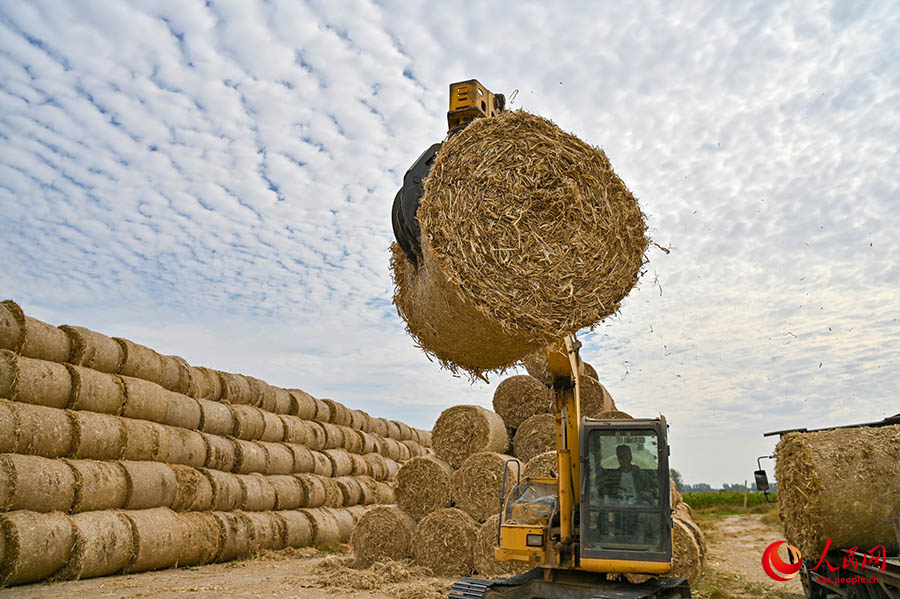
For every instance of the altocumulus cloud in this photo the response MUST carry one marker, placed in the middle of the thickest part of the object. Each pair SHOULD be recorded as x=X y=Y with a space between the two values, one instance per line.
x=214 y=179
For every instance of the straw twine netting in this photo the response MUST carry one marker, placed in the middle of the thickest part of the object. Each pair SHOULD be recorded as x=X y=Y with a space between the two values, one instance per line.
x=526 y=232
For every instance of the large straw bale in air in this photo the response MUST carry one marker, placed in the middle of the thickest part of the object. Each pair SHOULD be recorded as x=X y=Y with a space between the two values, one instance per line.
x=103 y=545
x=527 y=235
x=158 y=534
x=201 y=538
x=613 y=415
x=95 y=391
x=383 y=533
x=94 y=350
x=150 y=485
x=34 y=381
x=544 y=465
x=98 y=485
x=463 y=430
x=35 y=483
x=486 y=564
x=36 y=545
x=97 y=436
x=477 y=484
x=43 y=431
x=444 y=542
x=519 y=397
x=819 y=501
x=535 y=436
x=423 y=486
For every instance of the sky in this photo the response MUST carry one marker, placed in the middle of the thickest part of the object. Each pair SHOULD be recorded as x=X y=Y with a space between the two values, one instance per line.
x=214 y=180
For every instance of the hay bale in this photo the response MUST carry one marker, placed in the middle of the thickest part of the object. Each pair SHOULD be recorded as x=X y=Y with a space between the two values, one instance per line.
x=334 y=435
x=315 y=435
x=45 y=342
x=333 y=495
x=378 y=468
x=313 y=489
x=193 y=491
x=103 y=545
x=257 y=491
x=344 y=521
x=369 y=490
x=444 y=542
x=485 y=563
x=351 y=490
x=288 y=491
x=95 y=391
x=461 y=431
x=303 y=458
x=279 y=458
x=594 y=398
x=98 y=485
x=12 y=326
x=215 y=418
x=359 y=420
x=323 y=411
x=37 y=545
x=501 y=283
x=9 y=427
x=590 y=371
x=544 y=465
x=818 y=501
x=379 y=427
x=267 y=531
x=157 y=535
x=94 y=350
x=97 y=436
x=227 y=491
x=393 y=430
x=273 y=429
x=209 y=385
x=34 y=381
x=359 y=465
x=295 y=429
x=183 y=411
x=236 y=389
x=185 y=447
x=43 y=431
x=384 y=493
x=423 y=486
x=325 y=527
x=297 y=527
x=139 y=361
x=143 y=440
x=519 y=397
x=178 y=376
x=149 y=485
x=391 y=449
x=341 y=464
x=613 y=415
x=303 y=404
x=352 y=440
x=535 y=436
x=536 y=365
x=249 y=457
x=405 y=433
x=284 y=402
x=144 y=400
x=201 y=538
x=249 y=423
x=323 y=465
x=695 y=531
x=339 y=413
x=392 y=469
x=476 y=485
x=236 y=533
x=369 y=444
x=220 y=452
x=35 y=483
x=686 y=556
x=258 y=391
x=674 y=495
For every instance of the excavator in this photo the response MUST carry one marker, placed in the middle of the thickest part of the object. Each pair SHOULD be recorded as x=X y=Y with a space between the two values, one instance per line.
x=602 y=527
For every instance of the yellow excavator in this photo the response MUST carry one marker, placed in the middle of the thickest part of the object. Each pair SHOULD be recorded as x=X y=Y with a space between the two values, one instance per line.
x=606 y=513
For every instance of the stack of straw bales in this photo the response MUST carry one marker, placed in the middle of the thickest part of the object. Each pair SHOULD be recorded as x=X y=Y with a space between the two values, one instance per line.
x=527 y=235
x=115 y=458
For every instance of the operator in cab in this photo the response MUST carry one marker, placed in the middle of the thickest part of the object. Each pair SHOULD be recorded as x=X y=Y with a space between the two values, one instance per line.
x=628 y=483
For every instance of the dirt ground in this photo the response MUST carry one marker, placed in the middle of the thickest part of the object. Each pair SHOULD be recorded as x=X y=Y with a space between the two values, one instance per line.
x=732 y=570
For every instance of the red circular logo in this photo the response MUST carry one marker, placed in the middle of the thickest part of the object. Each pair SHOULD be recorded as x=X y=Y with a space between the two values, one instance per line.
x=777 y=568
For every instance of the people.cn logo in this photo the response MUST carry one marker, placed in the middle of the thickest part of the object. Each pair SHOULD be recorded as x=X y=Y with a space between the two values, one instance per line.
x=775 y=567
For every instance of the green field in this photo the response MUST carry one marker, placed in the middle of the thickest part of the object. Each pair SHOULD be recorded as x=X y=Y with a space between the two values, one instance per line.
x=729 y=502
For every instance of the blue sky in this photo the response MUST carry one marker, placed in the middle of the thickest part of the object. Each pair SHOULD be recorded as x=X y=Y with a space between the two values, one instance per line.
x=214 y=180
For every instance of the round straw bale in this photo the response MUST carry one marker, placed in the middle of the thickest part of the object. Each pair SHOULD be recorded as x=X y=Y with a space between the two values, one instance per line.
x=215 y=392
x=288 y=491
x=37 y=545
x=158 y=535
x=249 y=422
x=12 y=326
x=94 y=350
x=351 y=490
x=379 y=427
x=97 y=436
x=544 y=465
x=403 y=452
x=298 y=529
x=613 y=415
x=414 y=448
x=216 y=418
x=43 y=431
x=535 y=436
x=236 y=533
x=249 y=457
x=183 y=411
x=323 y=411
x=444 y=542
x=103 y=545
x=150 y=485
x=303 y=405
x=405 y=432
x=139 y=361
x=339 y=413
x=377 y=465
x=359 y=465
x=194 y=490
x=273 y=431
x=696 y=532
x=423 y=437
x=220 y=452
x=368 y=490
x=144 y=400
x=235 y=389
x=95 y=391
x=594 y=398
x=393 y=430
x=686 y=558
x=202 y=381
x=384 y=493
x=295 y=429
x=485 y=563
x=267 y=531
x=590 y=371
x=461 y=431
x=344 y=520
x=368 y=442
x=326 y=529
x=45 y=342
x=476 y=485
x=315 y=435
x=519 y=397
x=350 y=439
x=279 y=458
x=391 y=448
x=683 y=510
x=423 y=486
x=267 y=396
x=313 y=489
x=284 y=402
x=169 y=372
x=359 y=420
x=333 y=495
x=34 y=381
x=392 y=468
x=185 y=447
x=334 y=436
x=303 y=458
x=674 y=496
x=9 y=426
x=341 y=463
x=819 y=501
x=35 y=483
x=98 y=485
x=257 y=391
x=258 y=492
x=536 y=365
x=323 y=465
x=357 y=511
x=228 y=493
x=201 y=538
